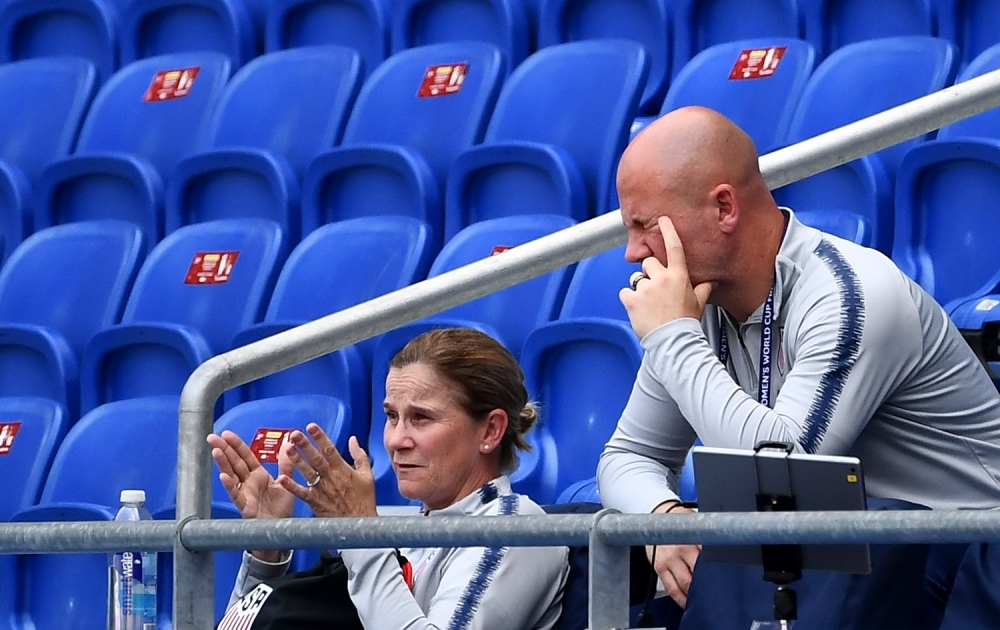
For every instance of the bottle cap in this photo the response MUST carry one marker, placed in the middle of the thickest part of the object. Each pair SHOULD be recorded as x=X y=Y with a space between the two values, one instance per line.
x=133 y=496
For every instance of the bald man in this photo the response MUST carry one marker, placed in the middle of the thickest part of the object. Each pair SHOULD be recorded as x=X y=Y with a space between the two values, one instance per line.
x=856 y=359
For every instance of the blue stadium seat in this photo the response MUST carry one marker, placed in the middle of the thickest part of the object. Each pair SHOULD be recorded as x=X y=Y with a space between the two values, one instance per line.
x=396 y=151
x=761 y=105
x=503 y=23
x=362 y=25
x=57 y=289
x=152 y=28
x=644 y=21
x=335 y=267
x=699 y=24
x=142 y=122
x=831 y=24
x=987 y=124
x=42 y=28
x=856 y=81
x=593 y=290
x=944 y=231
x=581 y=372
x=42 y=103
x=199 y=286
x=124 y=445
x=245 y=420
x=276 y=114
x=32 y=429
x=581 y=492
x=971 y=24
x=554 y=140
x=845 y=224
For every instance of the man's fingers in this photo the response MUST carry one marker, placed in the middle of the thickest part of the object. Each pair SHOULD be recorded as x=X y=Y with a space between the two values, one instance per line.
x=672 y=246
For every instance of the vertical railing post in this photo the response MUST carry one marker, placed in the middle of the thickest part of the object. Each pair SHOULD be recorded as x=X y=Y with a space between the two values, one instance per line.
x=609 y=581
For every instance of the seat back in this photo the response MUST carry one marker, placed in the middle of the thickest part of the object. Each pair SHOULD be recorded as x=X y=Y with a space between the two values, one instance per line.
x=644 y=21
x=73 y=279
x=503 y=23
x=943 y=229
x=519 y=309
x=973 y=25
x=864 y=78
x=830 y=24
x=214 y=277
x=593 y=290
x=392 y=109
x=361 y=25
x=342 y=264
x=138 y=440
x=130 y=115
x=581 y=373
x=293 y=103
x=42 y=104
x=43 y=28
x=580 y=97
x=986 y=124
x=755 y=83
x=31 y=430
x=162 y=27
x=699 y=24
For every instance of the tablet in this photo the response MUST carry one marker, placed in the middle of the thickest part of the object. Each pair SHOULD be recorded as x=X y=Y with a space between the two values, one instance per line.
x=731 y=480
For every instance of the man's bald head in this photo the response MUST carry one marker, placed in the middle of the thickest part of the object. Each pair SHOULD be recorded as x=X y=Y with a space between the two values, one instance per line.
x=688 y=152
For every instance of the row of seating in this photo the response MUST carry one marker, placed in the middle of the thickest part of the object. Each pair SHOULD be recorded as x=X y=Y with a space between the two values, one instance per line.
x=172 y=140
x=113 y=33
x=264 y=144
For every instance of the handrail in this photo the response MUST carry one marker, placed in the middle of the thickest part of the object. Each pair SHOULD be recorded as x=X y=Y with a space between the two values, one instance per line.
x=193 y=570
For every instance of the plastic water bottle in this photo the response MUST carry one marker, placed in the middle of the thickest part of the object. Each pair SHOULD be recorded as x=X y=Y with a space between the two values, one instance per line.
x=132 y=575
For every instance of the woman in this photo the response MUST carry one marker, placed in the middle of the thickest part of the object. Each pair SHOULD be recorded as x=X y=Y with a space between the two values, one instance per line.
x=457 y=411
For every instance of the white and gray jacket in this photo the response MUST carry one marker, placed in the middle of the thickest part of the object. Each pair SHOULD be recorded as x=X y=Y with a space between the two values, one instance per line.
x=865 y=363
x=458 y=588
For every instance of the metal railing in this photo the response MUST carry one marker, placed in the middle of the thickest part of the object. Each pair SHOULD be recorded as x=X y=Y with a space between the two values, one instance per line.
x=193 y=536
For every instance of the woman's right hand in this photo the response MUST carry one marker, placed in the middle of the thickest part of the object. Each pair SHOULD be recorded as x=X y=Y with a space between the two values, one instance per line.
x=252 y=489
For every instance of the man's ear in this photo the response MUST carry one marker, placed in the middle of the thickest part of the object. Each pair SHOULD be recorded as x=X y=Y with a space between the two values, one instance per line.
x=724 y=197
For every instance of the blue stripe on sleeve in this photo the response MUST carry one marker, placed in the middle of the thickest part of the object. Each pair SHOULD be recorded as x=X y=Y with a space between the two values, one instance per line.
x=845 y=353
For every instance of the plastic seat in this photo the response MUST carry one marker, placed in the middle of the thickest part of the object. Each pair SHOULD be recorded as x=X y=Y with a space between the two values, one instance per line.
x=337 y=266
x=762 y=106
x=124 y=445
x=986 y=124
x=362 y=25
x=31 y=430
x=199 y=286
x=597 y=280
x=971 y=24
x=846 y=225
x=502 y=23
x=699 y=24
x=644 y=21
x=943 y=229
x=276 y=114
x=57 y=289
x=162 y=27
x=581 y=371
x=246 y=421
x=831 y=24
x=396 y=152
x=554 y=140
x=42 y=103
x=42 y=28
x=856 y=81
x=142 y=122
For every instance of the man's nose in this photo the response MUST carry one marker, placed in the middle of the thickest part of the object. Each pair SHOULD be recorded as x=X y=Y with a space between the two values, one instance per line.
x=636 y=250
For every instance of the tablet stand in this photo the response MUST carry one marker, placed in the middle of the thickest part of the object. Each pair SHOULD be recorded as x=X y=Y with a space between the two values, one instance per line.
x=782 y=563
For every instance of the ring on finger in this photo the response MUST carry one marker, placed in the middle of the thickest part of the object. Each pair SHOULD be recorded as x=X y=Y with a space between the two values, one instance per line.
x=239 y=486
x=635 y=278
x=314 y=482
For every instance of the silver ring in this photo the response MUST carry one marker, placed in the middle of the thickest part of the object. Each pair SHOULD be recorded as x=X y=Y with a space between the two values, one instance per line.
x=635 y=278
x=314 y=482
x=239 y=486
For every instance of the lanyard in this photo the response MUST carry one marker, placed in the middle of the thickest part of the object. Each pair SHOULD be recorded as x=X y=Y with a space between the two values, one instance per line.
x=766 y=334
